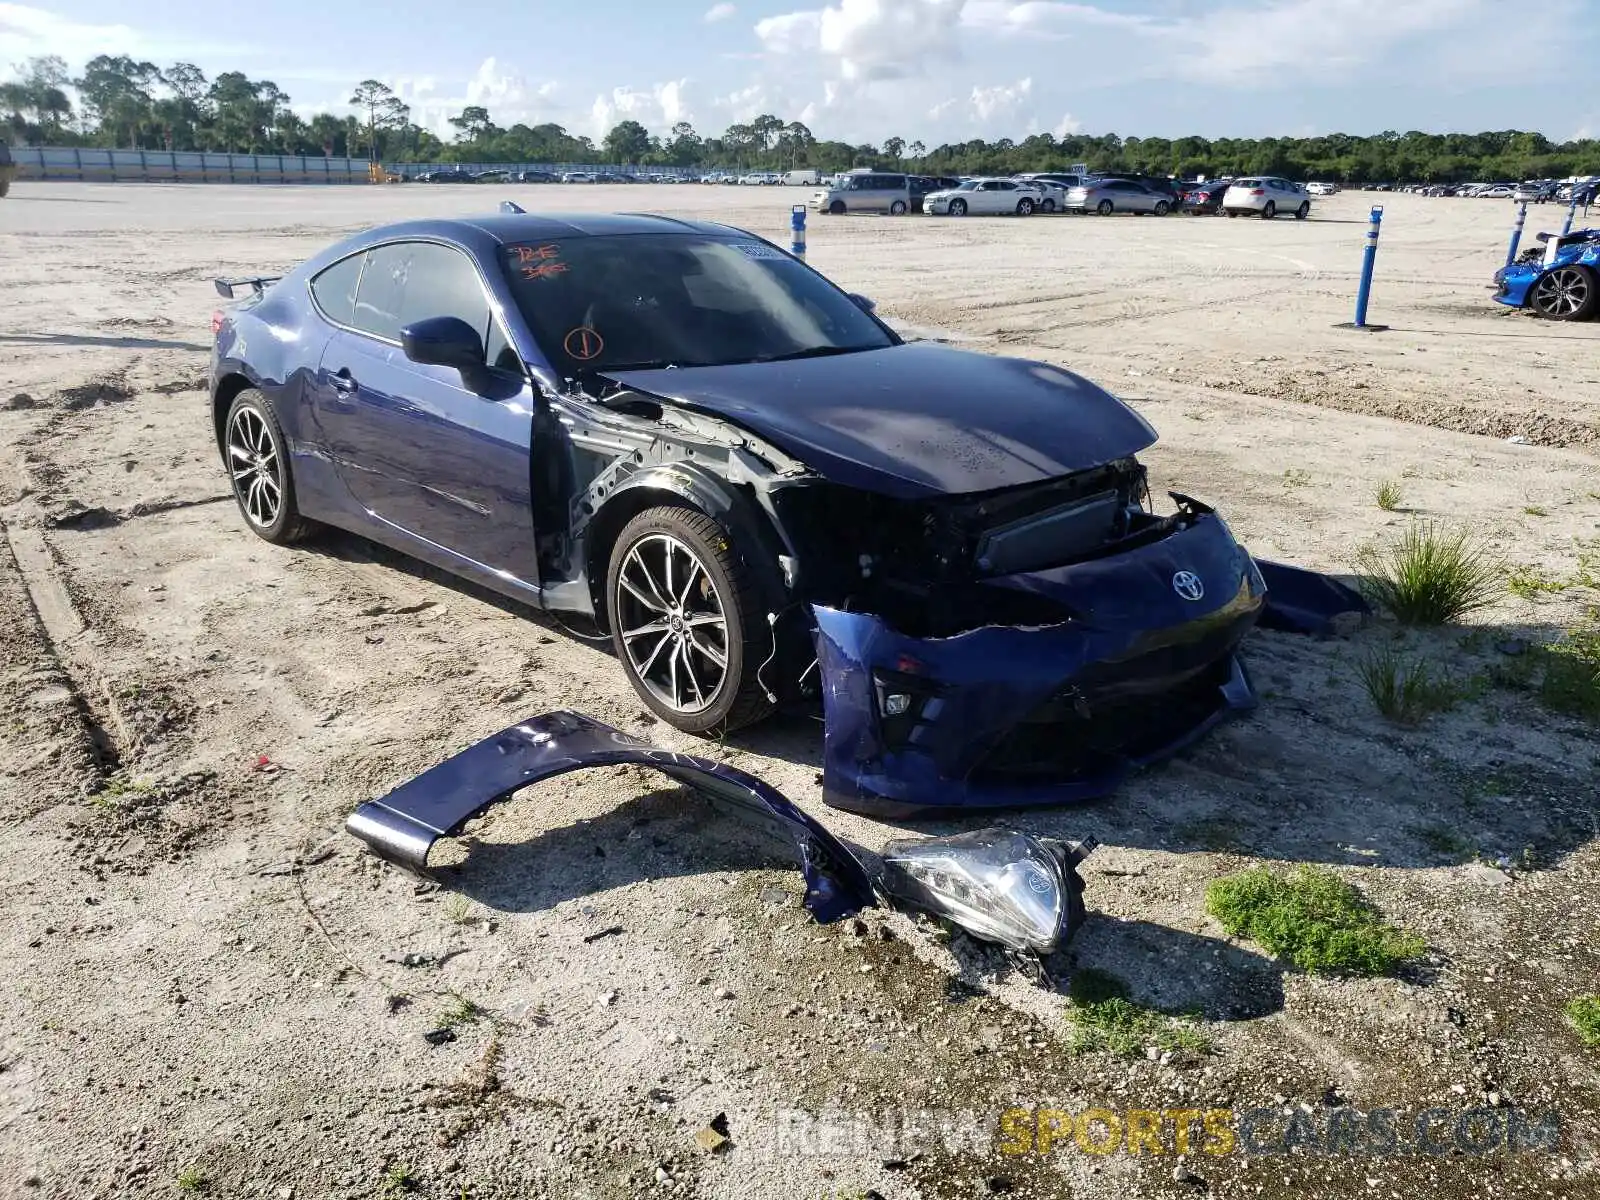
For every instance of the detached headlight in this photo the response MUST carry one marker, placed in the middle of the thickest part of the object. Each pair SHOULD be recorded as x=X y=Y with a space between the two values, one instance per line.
x=1021 y=891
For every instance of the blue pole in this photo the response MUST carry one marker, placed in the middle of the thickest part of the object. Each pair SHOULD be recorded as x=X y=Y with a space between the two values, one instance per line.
x=797 y=231
x=1572 y=211
x=1369 y=257
x=1516 y=233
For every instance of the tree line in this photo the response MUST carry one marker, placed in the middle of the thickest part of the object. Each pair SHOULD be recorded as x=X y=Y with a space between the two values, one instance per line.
x=122 y=102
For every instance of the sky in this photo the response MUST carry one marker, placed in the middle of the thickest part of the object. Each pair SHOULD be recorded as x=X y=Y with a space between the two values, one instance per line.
x=864 y=70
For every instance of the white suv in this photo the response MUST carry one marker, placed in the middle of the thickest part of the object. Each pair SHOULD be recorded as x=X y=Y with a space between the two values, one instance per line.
x=1266 y=196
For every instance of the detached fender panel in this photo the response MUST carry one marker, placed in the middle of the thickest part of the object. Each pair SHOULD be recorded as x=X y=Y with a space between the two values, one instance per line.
x=403 y=825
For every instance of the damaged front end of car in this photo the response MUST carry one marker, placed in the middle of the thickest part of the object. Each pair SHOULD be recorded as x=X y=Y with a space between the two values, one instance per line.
x=1029 y=648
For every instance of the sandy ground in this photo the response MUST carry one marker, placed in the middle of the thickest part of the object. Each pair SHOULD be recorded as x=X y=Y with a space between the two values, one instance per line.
x=206 y=974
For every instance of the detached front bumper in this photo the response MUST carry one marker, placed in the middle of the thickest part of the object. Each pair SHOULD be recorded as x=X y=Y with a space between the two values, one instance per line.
x=1006 y=716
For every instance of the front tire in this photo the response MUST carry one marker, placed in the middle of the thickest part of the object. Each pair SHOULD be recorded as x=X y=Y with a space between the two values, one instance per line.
x=1566 y=294
x=256 y=455
x=1304 y=211
x=685 y=617
x=836 y=208
x=897 y=209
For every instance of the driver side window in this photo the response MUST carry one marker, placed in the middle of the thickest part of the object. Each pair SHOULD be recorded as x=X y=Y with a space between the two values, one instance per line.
x=412 y=281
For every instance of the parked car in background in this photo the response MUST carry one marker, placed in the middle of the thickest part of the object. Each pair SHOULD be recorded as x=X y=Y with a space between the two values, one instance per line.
x=1318 y=188
x=803 y=177
x=534 y=177
x=448 y=175
x=1204 y=198
x=1497 y=191
x=1159 y=184
x=494 y=175
x=922 y=185
x=864 y=190
x=986 y=196
x=1066 y=179
x=577 y=177
x=1107 y=196
x=1266 y=196
x=8 y=169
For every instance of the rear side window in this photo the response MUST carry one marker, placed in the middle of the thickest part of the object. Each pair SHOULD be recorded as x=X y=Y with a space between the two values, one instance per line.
x=335 y=289
x=410 y=281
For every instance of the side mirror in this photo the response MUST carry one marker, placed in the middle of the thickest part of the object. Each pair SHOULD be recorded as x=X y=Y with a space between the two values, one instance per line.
x=861 y=302
x=444 y=342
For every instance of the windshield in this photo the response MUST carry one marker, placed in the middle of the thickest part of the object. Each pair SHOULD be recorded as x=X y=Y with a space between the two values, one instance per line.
x=970 y=185
x=637 y=301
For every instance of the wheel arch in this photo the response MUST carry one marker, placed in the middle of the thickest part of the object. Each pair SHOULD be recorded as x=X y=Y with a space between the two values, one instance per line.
x=678 y=485
x=228 y=389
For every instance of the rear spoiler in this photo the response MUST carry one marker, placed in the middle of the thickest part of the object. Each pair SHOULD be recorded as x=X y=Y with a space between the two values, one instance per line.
x=258 y=284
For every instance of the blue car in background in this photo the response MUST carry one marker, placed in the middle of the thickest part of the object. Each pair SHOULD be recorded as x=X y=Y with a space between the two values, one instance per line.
x=683 y=433
x=1559 y=279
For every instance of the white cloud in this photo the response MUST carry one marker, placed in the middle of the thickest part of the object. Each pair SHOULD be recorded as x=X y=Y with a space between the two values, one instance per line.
x=658 y=108
x=870 y=39
x=27 y=32
x=720 y=12
x=1068 y=124
x=511 y=98
x=1001 y=100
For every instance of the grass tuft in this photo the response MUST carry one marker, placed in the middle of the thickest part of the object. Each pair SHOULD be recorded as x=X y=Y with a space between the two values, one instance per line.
x=191 y=1179
x=1313 y=918
x=1103 y=1017
x=1536 y=510
x=1583 y=1014
x=1389 y=495
x=461 y=1011
x=1406 y=690
x=1430 y=576
x=399 y=1179
x=1296 y=477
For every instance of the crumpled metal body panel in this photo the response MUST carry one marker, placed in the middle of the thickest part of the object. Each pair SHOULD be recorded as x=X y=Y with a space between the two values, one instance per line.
x=403 y=825
x=1136 y=644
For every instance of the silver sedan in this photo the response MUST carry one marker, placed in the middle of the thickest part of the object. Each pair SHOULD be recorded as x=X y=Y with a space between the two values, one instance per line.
x=1107 y=196
x=984 y=197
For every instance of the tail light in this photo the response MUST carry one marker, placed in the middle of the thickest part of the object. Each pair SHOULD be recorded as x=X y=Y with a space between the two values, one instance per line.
x=1258 y=191
x=216 y=322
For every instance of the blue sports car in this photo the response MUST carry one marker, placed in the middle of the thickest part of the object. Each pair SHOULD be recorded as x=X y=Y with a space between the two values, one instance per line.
x=1559 y=279
x=764 y=495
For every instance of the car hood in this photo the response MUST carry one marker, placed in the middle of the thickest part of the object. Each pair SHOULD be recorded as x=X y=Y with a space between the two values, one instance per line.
x=915 y=420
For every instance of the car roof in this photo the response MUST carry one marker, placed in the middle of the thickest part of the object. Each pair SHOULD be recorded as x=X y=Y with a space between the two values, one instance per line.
x=508 y=228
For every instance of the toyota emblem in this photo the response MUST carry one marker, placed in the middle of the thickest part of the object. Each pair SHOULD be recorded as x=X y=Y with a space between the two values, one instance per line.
x=1187 y=584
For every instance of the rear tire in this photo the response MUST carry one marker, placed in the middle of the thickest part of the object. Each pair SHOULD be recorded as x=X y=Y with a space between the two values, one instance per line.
x=1047 y=205
x=256 y=456
x=1162 y=208
x=710 y=607
x=1270 y=211
x=1105 y=208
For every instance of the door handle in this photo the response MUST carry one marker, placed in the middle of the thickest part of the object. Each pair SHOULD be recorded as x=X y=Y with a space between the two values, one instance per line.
x=343 y=382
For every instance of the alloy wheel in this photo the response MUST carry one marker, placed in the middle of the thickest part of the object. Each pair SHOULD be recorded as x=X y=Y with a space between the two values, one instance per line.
x=256 y=467
x=1561 y=293
x=673 y=623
